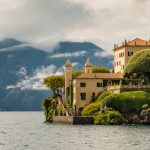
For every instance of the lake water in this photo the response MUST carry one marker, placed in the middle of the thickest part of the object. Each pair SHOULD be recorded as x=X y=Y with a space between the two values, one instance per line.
x=27 y=131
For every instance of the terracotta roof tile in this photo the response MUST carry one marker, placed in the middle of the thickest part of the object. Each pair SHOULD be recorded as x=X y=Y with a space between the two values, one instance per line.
x=139 y=42
x=100 y=76
x=135 y=42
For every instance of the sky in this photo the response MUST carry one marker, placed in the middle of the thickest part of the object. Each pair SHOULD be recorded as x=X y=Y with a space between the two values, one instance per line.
x=103 y=22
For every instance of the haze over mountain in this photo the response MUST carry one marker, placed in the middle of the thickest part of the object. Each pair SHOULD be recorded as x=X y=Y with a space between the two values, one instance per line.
x=23 y=68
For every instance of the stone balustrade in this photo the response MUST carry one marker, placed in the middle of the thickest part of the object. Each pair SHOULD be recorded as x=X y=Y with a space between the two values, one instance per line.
x=117 y=87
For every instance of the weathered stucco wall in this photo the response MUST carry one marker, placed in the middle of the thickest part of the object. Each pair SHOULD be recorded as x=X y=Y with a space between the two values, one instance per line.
x=91 y=87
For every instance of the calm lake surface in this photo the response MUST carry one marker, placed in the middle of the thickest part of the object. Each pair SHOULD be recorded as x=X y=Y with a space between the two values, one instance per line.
x=27 y=131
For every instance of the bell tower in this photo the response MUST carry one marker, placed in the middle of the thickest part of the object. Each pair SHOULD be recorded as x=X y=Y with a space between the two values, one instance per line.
x=88 y=66
x=68 y=75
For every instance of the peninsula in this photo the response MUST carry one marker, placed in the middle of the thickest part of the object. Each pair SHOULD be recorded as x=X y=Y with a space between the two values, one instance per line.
x=97 y=95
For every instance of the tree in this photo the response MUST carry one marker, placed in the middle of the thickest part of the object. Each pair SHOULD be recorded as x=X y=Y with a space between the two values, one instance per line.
x=139 y=65
x=55 y=82
x=76 y=73
x=58 y=81
x=49 y=106
x=100 y=70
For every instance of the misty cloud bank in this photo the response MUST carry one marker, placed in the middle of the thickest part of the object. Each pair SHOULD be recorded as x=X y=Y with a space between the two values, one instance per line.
x=45 y=23
x=35 y=82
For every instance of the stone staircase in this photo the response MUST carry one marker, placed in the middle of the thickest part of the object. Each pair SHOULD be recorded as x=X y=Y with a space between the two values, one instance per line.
x=61 y=103
x=69 y=118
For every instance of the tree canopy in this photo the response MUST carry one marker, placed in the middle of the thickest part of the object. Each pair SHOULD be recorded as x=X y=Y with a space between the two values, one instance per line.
x=58 y=81
x=54 y=82
x=138 y=65
x=76 y=73
x=100 y=70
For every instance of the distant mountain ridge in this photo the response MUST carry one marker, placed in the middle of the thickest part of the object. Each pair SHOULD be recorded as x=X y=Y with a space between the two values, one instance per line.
x=68 y=46
x=9 y=42
x=22 y=68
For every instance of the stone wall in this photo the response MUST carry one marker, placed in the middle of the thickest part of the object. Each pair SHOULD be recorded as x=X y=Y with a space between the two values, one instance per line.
x=75 y=120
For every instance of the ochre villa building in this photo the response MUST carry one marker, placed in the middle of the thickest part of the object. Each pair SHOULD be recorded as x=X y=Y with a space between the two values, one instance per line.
x=123 y=53
x=88 y=84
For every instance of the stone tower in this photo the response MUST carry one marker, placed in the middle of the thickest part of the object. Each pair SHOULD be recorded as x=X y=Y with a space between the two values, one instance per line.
x=88 y=66
x=68 y=75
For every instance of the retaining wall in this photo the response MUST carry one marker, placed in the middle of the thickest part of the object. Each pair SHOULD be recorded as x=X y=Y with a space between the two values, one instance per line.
x=75 y=120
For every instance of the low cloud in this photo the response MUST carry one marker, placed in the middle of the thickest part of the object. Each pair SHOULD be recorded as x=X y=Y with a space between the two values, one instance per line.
x=102 y=54
x=22 y=72
x=74 y=64
x=74 y=54
x=35 y=82
x=14 y=48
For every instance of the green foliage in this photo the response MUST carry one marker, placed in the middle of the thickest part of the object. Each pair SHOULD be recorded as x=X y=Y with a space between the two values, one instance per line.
x=108 y=117
x=139 y=65
x=59 y=108
x=68 y=105
x=54 y=82
x=145 y=115
x=91 y=109
x=76 y=73
x=127 y=102
x=100 y=70
x=145 y=106
x=94 y=107
x=49 y=106
x=103 y=95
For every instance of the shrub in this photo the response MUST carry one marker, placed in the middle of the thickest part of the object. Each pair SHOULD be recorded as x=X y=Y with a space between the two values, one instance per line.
x=145 y=114
x=138 y=66
x=49 y=106
x=127 y=102
x=145 y=106
x=101 y=69
x=108 y=117
x=103 y=95
x=91 y=109
x=94 y=107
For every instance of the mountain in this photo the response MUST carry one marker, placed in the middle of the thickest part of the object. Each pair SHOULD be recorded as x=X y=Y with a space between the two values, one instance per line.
x=9 y=42
x=23 y=67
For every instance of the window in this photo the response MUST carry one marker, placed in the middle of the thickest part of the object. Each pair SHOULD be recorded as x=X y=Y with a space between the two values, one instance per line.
x=93 y=94
x=82 y=84
x=123 y=66
x=99 y=84
x=83 y=96
x=119 y=62
x=130 y=53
